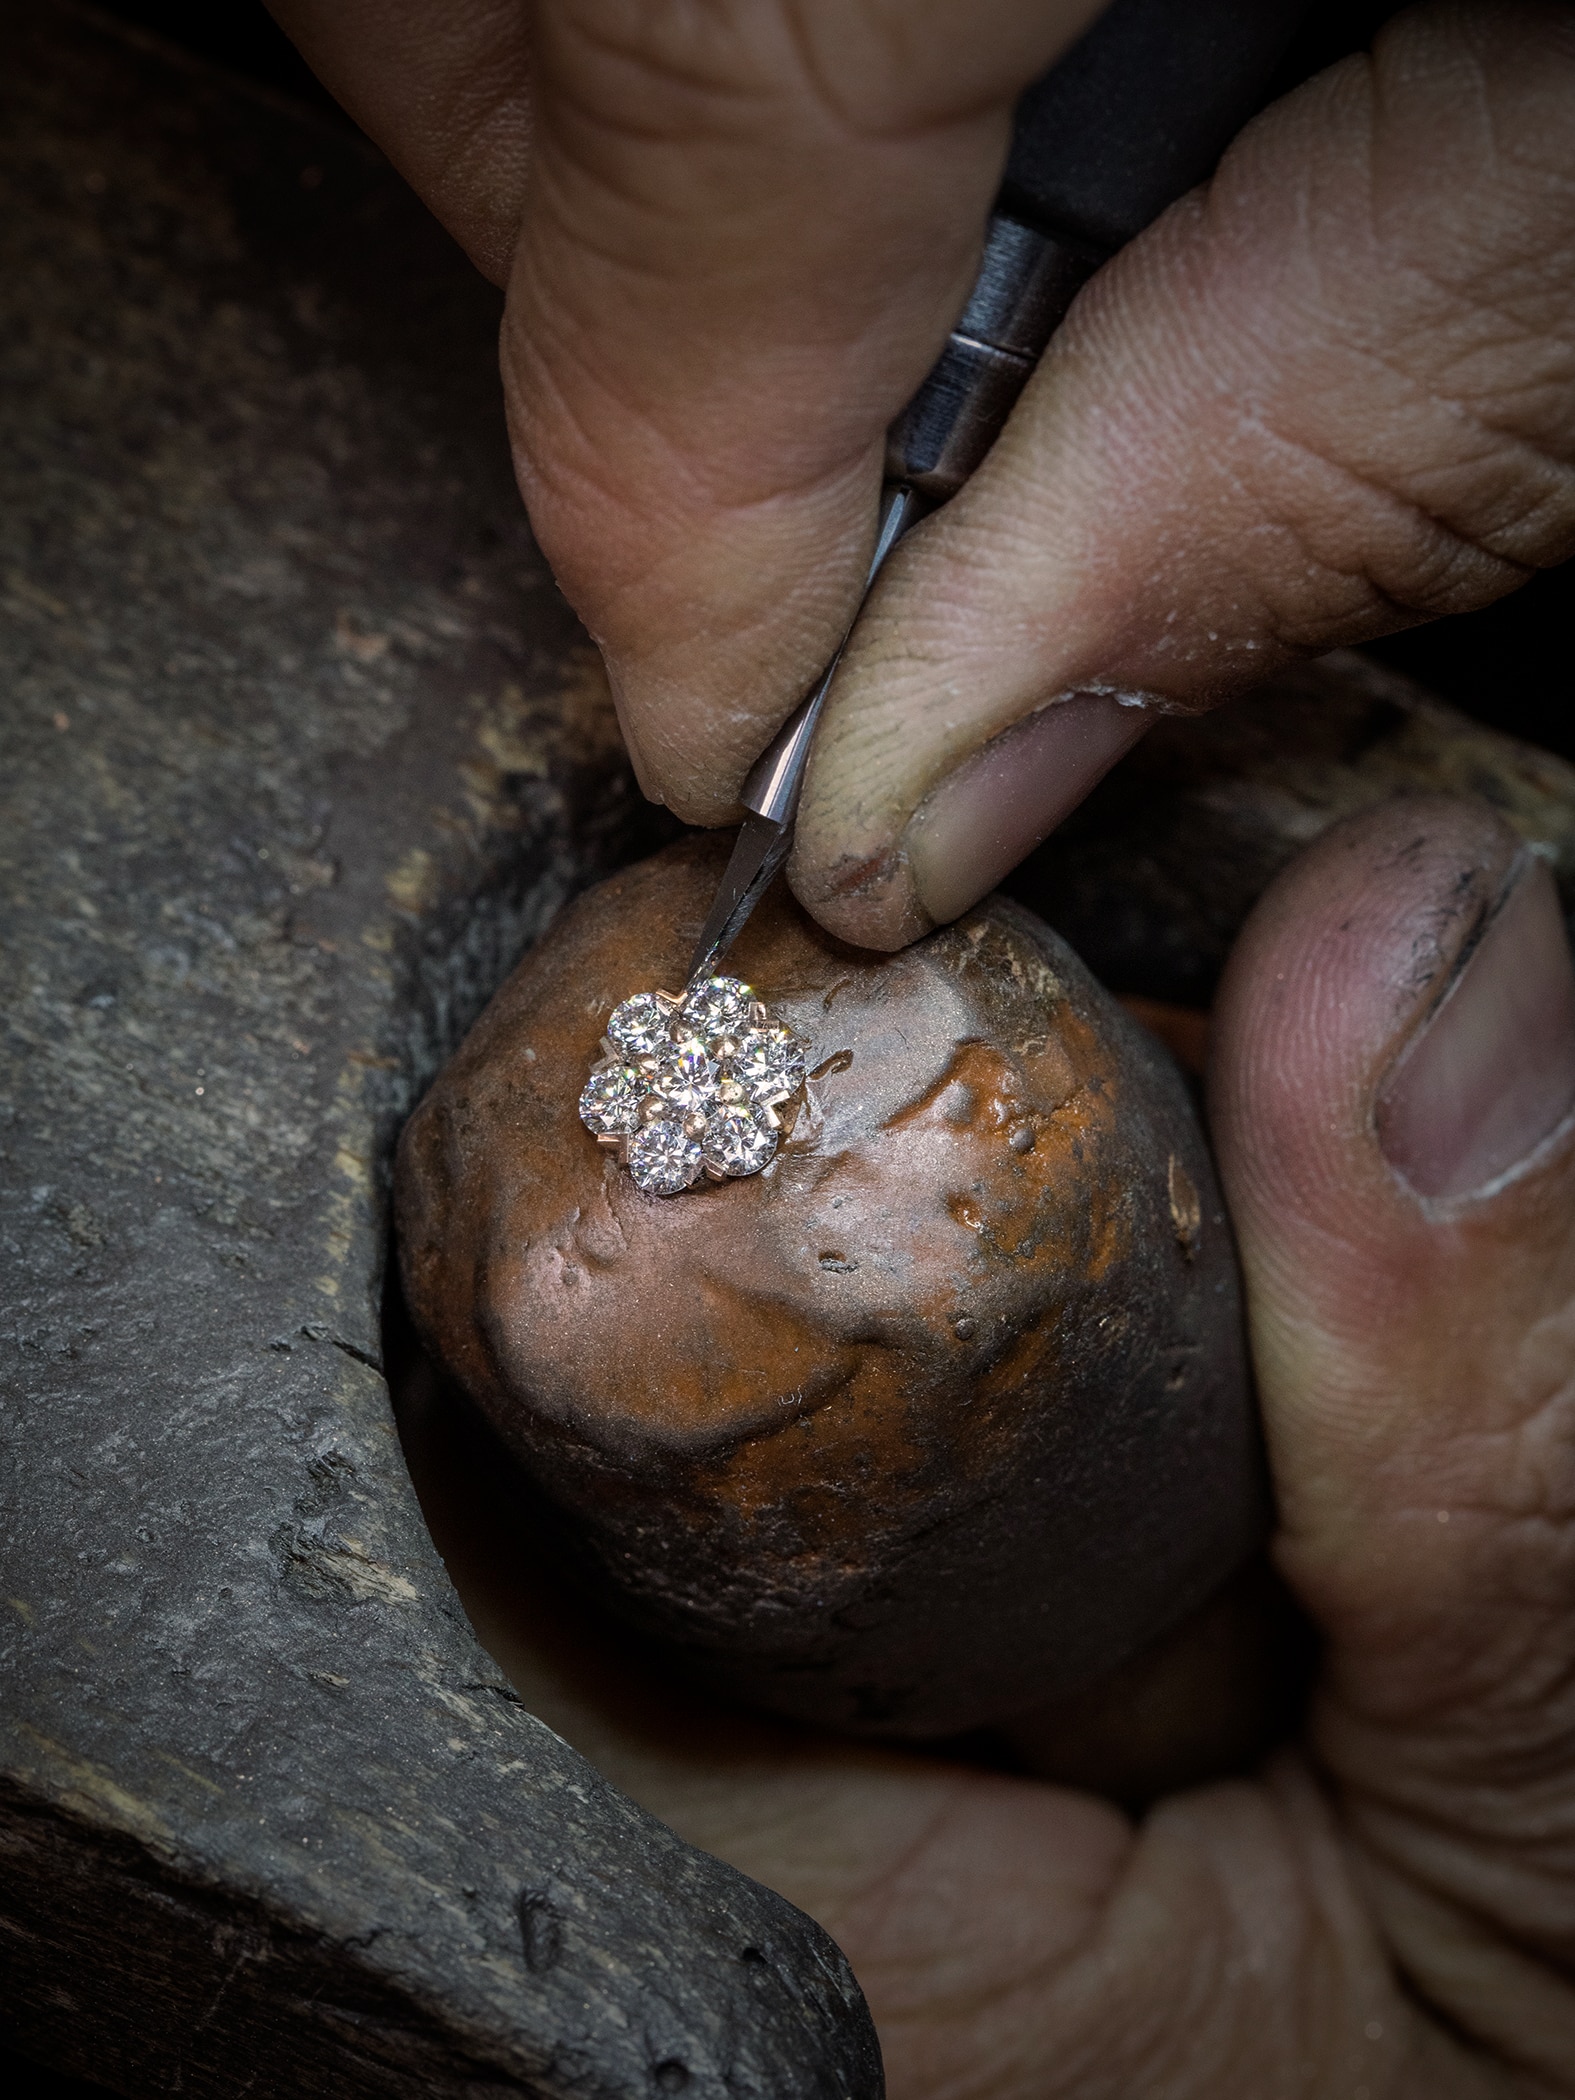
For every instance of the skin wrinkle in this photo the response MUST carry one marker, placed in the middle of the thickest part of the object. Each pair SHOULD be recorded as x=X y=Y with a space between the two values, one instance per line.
x=585 y=473
x=1319 y=309
x=913 y=40
x=1506 y=503
x=1532 y=461
x=1460 y=1922
x=1432 y=582
x=1175 y=1844
x=882 y=1902
x=729 y=104
x=1426 y=391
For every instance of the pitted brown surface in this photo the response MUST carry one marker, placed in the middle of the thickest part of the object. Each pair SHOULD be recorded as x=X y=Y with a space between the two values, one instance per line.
x=934 y=1418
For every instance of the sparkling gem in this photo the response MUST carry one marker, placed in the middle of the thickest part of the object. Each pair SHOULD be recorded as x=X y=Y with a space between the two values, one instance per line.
x=662 y=1158
x=640 y=1026
x=685 y=1077
x=611 y=1100
x=768 y=1061
x=737 y=1142
x=694 y=1083
x=717 y=1006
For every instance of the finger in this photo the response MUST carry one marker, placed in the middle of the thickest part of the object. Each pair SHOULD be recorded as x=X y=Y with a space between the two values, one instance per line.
x=443 y=91
x=1393 y=1098
x=747 y=232
x=1329 y=395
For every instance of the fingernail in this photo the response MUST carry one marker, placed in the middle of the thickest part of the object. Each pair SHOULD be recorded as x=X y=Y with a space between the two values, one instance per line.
x=980 y=821
x=1492 y=1073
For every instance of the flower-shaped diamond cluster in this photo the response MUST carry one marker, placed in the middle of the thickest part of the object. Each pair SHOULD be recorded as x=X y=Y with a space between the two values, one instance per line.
x=691 y=1086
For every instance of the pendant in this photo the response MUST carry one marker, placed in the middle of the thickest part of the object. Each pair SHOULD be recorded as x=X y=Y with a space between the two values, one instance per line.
x=689 y=1085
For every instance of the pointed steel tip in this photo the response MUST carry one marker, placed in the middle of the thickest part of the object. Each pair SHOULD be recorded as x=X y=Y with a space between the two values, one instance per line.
x=771 y=792
x=758 y=852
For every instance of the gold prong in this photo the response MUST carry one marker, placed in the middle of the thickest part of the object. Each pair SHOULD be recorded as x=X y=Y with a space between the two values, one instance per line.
x=757 y=1013
x=611 y=1138
x=668 y=999
x=712 y=1173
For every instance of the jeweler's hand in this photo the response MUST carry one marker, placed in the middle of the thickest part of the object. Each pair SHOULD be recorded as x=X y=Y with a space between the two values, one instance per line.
x=1387 y=1911
x=734 y=237
x=1329 y=395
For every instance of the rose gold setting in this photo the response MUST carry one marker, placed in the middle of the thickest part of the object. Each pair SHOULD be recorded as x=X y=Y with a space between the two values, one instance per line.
x=688 y=1086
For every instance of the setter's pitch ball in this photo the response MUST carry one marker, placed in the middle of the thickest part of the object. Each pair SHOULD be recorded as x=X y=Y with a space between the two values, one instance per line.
x=944 y=1414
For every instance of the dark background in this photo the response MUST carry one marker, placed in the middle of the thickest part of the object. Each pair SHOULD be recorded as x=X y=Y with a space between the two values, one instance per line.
x=1507 y=665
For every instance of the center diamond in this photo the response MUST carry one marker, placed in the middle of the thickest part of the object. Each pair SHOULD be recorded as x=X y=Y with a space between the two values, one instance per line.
x=685 y=1076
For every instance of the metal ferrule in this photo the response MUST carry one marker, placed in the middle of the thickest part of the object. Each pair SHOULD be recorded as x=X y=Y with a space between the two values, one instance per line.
x=1025 y=284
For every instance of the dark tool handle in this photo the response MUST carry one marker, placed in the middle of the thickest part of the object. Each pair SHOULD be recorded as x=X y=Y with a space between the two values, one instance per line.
x=1136 y=113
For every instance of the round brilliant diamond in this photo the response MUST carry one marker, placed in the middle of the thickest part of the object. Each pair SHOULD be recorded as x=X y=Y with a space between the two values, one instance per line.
x=611 y=1101
x=662 y=1158
x=640 y=1025
x=737 y=1141
x=769 y=1062
x=717 y=1006
x=685 y=1076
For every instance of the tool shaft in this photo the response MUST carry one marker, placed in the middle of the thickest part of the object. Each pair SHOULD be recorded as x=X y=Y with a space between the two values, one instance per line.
x=771 y=792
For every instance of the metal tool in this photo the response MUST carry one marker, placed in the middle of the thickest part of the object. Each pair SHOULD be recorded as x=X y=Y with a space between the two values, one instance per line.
x=1135 y=114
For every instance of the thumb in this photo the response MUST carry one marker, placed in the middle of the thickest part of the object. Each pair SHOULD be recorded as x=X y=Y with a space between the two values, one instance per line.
x=1393 y=1097
x=1329 y=395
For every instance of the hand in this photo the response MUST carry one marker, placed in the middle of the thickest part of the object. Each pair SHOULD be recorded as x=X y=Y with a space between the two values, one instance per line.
x=1329 y=395
x=1387 y=1911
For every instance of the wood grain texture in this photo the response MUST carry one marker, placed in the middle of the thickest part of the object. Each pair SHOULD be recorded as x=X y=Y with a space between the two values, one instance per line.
x=301 y=748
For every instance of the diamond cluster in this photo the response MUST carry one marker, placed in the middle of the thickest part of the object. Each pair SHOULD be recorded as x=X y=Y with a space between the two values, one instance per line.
x=691 y=1086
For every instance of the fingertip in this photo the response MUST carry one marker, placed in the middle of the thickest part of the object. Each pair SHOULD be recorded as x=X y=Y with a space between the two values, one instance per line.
x=1342 y=956
x=869 y=904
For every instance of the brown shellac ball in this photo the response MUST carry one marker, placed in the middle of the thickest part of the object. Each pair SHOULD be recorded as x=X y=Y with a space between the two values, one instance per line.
x=943 y=1415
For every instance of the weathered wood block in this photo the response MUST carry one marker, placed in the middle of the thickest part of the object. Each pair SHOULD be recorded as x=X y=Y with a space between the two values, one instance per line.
x=300 y=748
